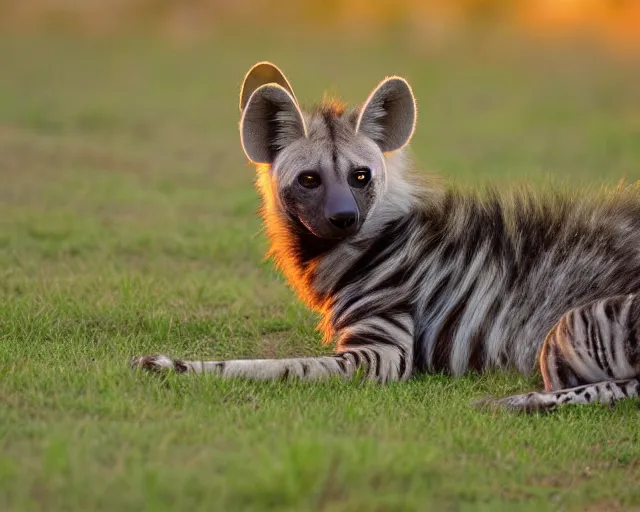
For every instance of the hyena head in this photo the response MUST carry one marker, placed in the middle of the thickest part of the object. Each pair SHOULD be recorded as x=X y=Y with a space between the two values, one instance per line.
x=325 y=169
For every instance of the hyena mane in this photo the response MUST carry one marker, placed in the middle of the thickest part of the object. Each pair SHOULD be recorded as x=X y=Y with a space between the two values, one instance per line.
x=409 y=275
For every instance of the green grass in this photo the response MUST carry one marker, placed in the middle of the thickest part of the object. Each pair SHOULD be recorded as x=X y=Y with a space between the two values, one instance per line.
x=128 y=226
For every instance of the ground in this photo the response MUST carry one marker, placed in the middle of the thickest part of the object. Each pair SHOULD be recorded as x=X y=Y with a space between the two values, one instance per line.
x=128 y=226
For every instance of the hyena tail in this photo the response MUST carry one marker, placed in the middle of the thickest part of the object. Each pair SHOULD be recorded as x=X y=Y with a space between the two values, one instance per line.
x=605 y=392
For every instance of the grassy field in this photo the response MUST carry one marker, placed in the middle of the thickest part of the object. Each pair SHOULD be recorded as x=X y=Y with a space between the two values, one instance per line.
x=128 y=226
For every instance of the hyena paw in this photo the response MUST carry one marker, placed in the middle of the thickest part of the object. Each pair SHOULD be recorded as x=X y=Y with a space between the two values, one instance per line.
x=526 y=403
x=158 y=363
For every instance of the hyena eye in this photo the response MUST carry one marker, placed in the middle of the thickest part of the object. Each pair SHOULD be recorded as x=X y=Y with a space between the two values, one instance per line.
x=309 y=179
x=360 y=177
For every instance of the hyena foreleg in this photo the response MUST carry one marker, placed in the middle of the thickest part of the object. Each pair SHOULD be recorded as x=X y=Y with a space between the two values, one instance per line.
x=591 y=355
x=380 y=349
x=307 y=368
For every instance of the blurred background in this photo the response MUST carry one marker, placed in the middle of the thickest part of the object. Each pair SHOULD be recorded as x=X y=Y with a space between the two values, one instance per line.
x=535 y=87
x=118 y=118
x=612 y=22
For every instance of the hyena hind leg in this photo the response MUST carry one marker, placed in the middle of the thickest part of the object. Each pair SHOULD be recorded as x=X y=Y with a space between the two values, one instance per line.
x=591 y=355
x=606 y=392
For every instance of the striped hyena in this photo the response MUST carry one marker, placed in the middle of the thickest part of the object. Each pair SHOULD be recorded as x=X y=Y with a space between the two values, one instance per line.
x=411 y=276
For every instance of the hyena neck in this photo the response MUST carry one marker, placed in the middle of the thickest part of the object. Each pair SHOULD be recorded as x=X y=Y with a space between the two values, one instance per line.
x=313 y=265
x=294 y=250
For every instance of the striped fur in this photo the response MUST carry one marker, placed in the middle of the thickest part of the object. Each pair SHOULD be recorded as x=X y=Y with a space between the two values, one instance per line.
x=428 y=279
x=591 y=355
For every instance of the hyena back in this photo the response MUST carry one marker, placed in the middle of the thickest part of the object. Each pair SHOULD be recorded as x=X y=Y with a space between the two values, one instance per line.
x=413 y=277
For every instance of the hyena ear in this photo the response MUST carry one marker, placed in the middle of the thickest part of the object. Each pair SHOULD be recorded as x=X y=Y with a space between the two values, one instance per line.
x=389 y=114
x=260 y=74
x=270 y=122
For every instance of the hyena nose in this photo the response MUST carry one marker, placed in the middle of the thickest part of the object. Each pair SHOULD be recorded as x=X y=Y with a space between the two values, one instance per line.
x=343 y=220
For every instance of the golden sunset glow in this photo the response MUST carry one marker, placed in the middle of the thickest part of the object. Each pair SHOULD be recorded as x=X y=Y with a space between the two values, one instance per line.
x=612 y=22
